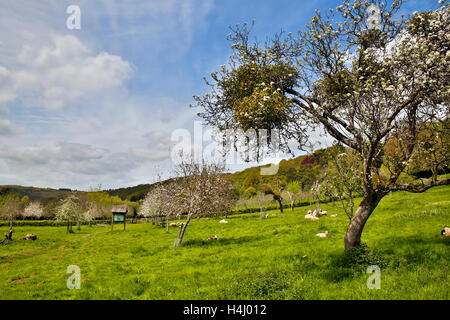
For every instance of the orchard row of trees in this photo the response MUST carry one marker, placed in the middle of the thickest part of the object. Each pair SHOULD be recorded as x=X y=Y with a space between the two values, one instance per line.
x=75 y=209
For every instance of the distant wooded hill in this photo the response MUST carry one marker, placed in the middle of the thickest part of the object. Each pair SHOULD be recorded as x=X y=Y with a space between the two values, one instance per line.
x=304 y=168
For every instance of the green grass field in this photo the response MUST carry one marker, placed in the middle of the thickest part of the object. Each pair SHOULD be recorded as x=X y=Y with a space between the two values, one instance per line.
x=275 y=258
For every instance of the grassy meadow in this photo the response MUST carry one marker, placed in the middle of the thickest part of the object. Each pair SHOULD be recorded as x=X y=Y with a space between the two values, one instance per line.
x=275 y=258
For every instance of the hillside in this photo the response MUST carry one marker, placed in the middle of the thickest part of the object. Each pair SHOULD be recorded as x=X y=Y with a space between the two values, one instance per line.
x=44 y=195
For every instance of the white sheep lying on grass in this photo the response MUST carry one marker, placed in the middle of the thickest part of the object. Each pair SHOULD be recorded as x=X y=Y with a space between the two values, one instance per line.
x=311 y=217
x=323 y=234
x=223 y=221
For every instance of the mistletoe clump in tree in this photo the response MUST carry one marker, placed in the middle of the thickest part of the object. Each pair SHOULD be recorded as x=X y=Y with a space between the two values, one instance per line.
x=368 y=77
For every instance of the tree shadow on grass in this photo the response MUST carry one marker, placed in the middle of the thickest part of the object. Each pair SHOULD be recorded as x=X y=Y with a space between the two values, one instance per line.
x=413 y=250
x=413 y=240
x=221 y=241
x=394 y=252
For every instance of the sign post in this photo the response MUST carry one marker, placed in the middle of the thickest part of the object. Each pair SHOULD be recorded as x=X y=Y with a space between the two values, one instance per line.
x=119 y=216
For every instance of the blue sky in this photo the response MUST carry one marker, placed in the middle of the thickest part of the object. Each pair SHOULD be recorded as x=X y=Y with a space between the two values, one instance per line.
x=98 y=105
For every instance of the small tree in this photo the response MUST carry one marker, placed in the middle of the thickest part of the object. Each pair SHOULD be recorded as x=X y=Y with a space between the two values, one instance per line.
x=10 y=210
x=315 y=189
x=154 y=204
x=93 y=211
x=267 y=189
x=200 y=190
x=262 y=202
x=70 y=211
x=342 y=179
x=293 y=190
x=33 y=210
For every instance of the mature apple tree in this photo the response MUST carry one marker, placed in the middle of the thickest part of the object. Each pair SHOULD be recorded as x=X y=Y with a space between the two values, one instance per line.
x=361 y=72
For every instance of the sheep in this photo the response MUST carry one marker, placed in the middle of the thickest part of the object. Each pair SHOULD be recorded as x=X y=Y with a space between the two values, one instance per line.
x=314 y=219
x=309 y=212
x=173 y=224
x=334 y=215
x=445 y=232
x=323 y=213
x=223 y=221
x=308 y=216
x=213 y=238
x=323 y=234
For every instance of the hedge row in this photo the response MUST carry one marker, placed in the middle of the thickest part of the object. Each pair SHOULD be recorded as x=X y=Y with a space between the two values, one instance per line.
x=275 y=207
x=46 y=223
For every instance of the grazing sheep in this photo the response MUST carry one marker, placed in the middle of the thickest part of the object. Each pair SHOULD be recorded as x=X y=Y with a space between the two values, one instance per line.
x=173 y=224
x=213 y=238
x=323 y=234
x=223 y=221
x=334 y=215
x=445 y=232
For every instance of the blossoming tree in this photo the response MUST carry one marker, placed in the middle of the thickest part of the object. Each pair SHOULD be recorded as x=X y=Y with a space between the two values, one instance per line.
x=34 y=210
x=200 y=190
x=70 y=210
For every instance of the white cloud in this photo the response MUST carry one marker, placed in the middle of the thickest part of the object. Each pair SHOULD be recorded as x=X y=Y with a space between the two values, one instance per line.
x=60 y=163
x=62 y=73
x=158 y=147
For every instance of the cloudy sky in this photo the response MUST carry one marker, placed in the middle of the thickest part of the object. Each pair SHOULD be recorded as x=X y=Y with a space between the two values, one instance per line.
x=98 y=105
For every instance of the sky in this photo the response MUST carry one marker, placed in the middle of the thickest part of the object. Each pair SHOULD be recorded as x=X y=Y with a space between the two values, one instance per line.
x=101 y=104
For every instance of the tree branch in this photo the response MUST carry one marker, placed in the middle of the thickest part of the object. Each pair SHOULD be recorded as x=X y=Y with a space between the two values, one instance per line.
x=419 y=189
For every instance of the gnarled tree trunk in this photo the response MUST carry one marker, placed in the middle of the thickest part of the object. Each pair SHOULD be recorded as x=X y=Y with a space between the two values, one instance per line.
x=356 y=226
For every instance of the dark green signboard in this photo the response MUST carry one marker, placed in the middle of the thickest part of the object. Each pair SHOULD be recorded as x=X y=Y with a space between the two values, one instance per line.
x=119 y=217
